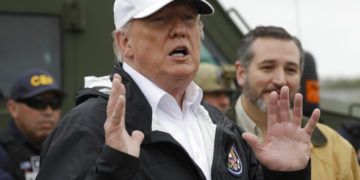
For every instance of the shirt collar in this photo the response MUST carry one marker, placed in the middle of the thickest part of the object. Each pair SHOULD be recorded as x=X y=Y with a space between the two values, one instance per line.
x=154 y=94
x=244 y=121
x=193 y=95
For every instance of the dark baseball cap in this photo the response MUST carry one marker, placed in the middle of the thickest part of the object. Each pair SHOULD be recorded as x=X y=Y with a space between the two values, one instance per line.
x=34 y=82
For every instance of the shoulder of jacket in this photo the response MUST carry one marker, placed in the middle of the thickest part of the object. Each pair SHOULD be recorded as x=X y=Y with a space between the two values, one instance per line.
x=334 y=137
x=6 y=137
x=89 y=114
x=318 y=139
x=215 y=115
x=220 y=119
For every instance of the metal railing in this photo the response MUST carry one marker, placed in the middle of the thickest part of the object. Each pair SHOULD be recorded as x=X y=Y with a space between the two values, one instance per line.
x=242 y=21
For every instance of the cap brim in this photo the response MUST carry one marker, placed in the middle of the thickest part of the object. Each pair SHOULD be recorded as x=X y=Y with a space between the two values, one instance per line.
x=203 y=7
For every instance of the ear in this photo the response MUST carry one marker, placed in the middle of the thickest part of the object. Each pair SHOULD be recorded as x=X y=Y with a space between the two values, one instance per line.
x=13 y=108
x=240 y=73
x=123 y=42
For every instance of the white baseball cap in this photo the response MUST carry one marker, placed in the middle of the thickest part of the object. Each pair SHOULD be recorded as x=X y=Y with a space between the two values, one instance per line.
x=125 y=10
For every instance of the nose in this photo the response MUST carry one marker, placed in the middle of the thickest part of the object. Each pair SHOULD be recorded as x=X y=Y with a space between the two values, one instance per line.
x=179 y=28
x=48 y=110
x=279 y=78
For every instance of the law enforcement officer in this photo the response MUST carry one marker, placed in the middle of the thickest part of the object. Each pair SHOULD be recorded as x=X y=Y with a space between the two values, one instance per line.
x=34 y=106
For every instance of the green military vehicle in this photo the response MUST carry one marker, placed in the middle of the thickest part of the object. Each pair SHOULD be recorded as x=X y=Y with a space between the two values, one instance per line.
x=72 y=39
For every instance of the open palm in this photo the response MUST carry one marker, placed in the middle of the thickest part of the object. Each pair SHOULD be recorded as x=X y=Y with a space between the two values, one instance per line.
x=116 y=135
x=286 y=146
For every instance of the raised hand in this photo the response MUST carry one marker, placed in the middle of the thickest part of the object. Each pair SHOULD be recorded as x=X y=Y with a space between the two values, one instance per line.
x=287 y=145
x=116 y=135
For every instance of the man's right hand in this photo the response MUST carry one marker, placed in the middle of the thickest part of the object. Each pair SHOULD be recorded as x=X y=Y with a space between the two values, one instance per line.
x=116 y=135
x=287 y=145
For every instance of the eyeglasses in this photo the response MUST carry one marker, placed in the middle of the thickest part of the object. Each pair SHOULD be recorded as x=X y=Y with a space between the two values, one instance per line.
x=41 y=103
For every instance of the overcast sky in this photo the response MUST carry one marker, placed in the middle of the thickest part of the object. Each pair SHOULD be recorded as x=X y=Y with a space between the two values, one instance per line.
x=329 y=29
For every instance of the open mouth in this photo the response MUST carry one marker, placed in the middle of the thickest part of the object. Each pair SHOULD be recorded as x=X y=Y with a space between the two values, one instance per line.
x=179 y=52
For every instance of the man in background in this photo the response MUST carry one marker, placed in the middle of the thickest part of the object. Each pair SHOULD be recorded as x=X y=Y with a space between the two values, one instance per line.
x=270 y=58
x=217 y=83
x=34 y=107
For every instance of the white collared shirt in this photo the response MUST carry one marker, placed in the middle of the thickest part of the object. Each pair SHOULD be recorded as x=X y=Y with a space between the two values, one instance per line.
x=191 y=126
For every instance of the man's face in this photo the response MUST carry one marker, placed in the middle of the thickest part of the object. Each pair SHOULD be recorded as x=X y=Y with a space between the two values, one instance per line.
x=35 y=124
x=276 y=63
x=219 y=99
x=165 y=47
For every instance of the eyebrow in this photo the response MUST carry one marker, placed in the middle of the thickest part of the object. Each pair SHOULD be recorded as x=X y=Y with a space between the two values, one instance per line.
x=267 y=61
x=272 y=61
x=292 y=64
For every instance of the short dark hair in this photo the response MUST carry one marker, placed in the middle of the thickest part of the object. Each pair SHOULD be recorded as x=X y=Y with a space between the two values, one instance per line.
x=245 y=53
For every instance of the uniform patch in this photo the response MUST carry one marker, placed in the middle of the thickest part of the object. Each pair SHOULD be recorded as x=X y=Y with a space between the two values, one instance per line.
x=234 y=163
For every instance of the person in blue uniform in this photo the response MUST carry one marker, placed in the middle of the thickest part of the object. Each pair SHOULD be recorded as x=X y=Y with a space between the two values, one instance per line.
x=34 y=107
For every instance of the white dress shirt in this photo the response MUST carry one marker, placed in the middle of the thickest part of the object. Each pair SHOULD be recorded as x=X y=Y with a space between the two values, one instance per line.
x=191 y=126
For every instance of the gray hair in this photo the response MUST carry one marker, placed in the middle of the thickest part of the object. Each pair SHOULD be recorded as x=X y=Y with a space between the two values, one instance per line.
x=116 y=48
x=245 y=52
x=125 y=29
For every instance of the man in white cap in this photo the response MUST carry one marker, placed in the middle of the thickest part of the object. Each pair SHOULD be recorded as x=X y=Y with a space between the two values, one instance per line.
x=150 y=122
